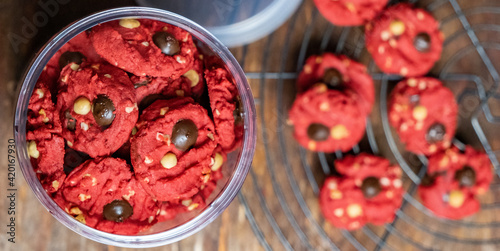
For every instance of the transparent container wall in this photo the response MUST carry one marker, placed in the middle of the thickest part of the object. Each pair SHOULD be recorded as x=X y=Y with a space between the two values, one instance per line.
x=211 y=13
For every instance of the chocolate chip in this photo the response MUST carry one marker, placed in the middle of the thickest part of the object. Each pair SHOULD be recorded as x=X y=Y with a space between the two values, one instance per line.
x=435 y=133
x=422 y=42
x=143 y=83
x=70 y=57
x=238 y=111
x=414 y=99
x=117 y=210
x=167 y=43
x=333 y=78
x=103 y=109
x=318 y=132
x=70 y=120
x=184 y=134
x=466 y=176
x=371 y=187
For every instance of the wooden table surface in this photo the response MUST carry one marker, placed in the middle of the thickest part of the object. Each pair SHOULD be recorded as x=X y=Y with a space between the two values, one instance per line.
x=36 y=229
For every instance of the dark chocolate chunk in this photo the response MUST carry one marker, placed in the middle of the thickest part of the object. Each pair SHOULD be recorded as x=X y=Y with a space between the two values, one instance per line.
x=414 y=99
x=167 y=43
x=70 y=120
x=422 y=42
x=371 y=187
x=103 y=109
x=318 y=132
x=117 y=210
x=466 y=176
x=435 y=133
x=184 y=134
x=70 y=57
x=333 y=78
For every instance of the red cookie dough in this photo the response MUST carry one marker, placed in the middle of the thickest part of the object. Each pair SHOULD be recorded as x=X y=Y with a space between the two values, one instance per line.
x=128 y=44
x=424 y=113
x=347 y=201
x=166 y=172
x=89 y=82
x=354 y=76
x=453 y=182
x=226 y=108
x=98 y=182
x=338 y=113
x=42 y=111
x=393 y=40
x=350 y=12
x=191 y=84
x=46 y=152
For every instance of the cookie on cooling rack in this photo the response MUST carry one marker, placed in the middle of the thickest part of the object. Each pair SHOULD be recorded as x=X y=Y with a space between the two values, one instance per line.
x=424 y=113
x=327 y=120
x=453 y=181
x=349 y=12
x=338 y=72
x=404 y=40
x=369 y=190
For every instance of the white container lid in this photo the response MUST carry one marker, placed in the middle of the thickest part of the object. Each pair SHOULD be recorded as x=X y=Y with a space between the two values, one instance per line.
x=234 y=22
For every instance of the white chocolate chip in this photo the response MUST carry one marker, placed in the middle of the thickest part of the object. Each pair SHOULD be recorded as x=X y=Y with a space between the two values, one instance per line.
x=332 y=185
x=180 y=60
x=419 y=112
x=307 y=69
x=385 y=35
x=45 y=119
x=82 y=106
x=148 y=160
x=163 y=110
x=393 y=43
x=129 y=109
x=324 y=106
x=150 y=219
x=64 y=79
x=95 y=66
x=40 y=93
x=384 y=181
x=397 y=27
x=84 y=197
x=412 y=82
x=129 y=23
x=169 y=160
x=130 y=194
x=420 y=15
x=217 y=112
x=84 y=126
x=55 y=184
x=211 y=136
x=193 y=76
x=70 y=144
x=107 y=75
x=389 y=194
x=381 y=49
x=339 y=132
x=403 y=127
x=75 y=211
x=187 y=202
x=134 y=131
x=339 y=212
x=145 y=43
x=32 y=150
x=335 y=194
x=74 y=66
x=404 y=71
x=422 y=85
x=193 y=206
x=354 y=210
x=159 y=136
x=218 y=161
x=456 y=198
x=397 y=183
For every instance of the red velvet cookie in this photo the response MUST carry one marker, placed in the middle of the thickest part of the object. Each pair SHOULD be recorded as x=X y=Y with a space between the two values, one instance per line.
x=42 y=111
x=145 y=47
x=171 y=150
x=97 y=108
x=404 y=40
x=350 y=12
x=190 y=84
x=226 y=108
x=369 y=191
x=453 y=182
x=46 y=152
x=327 y=120
x=338 y=72
x=424 y=113
x=105 y=195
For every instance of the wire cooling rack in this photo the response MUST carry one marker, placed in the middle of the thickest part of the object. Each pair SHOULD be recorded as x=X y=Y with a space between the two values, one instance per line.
x=280 y=195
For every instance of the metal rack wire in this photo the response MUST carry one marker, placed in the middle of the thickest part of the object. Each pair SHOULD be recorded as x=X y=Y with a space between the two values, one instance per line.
x=294 y=185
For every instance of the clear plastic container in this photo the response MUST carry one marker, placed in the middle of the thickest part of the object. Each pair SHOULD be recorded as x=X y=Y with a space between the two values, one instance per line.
x=234 y=170
x=234 y=22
